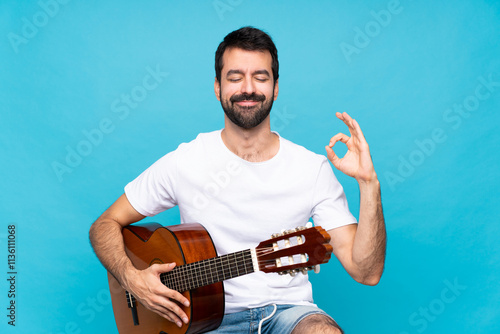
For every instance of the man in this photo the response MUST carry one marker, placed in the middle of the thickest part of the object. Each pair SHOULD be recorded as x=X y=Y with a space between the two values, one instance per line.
x=269 y=184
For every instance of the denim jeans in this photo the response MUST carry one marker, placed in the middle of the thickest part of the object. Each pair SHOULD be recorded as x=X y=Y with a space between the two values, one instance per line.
x=282 y=322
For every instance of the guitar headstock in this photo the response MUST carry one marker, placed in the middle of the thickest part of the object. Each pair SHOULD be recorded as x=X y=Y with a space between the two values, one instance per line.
x=291 y=251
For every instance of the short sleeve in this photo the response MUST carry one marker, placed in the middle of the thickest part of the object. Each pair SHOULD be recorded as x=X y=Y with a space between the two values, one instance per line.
x=153 y=191
x=330 y=208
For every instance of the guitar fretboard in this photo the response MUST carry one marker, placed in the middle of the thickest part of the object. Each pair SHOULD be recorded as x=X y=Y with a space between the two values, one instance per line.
x=197 y=274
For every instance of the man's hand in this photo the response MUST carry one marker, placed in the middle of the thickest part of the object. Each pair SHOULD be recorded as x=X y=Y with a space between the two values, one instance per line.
x=357 y=162
x=146 y=287
x=360 y=248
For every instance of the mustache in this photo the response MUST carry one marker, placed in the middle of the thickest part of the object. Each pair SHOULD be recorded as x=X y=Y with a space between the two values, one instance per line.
x=247 y=97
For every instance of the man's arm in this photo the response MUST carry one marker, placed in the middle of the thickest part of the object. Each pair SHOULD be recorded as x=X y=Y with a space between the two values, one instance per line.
x=107 y=240
x=360 y=248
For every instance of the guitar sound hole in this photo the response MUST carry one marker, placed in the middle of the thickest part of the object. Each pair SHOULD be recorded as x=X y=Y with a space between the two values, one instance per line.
x=162 y=332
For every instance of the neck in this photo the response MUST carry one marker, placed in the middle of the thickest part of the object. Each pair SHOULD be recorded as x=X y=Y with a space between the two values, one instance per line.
x=255 y=145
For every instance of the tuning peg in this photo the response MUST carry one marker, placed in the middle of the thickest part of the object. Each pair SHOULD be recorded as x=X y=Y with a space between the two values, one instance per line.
x=303 y=271
x=292 y=272
x=303 y=258
x=309 y=225
x=316 y=268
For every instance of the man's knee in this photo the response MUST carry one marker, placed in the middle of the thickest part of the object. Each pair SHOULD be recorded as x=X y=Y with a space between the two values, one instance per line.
x=317 y=323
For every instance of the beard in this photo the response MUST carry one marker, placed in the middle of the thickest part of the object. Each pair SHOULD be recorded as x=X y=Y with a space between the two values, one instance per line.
x=247 y=117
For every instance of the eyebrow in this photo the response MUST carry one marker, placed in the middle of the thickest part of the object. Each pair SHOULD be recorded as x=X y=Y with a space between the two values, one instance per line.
x=230 y=72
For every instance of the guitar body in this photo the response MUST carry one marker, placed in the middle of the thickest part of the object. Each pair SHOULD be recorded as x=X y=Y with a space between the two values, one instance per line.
x=200 y=272
x=151 y=243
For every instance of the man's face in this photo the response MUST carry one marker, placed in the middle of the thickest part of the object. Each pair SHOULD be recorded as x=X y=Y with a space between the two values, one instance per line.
x=246 y=90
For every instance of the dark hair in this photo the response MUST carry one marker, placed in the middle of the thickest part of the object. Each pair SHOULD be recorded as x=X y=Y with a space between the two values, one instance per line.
x=249 y=39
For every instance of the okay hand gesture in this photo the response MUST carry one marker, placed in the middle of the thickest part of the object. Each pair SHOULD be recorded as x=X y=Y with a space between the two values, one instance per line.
x=357 y=162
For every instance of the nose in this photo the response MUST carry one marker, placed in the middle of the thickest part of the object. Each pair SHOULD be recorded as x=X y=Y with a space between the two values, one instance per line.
x=248 y=86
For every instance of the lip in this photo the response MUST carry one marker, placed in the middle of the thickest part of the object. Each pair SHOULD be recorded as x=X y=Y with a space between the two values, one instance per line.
x=247 y=103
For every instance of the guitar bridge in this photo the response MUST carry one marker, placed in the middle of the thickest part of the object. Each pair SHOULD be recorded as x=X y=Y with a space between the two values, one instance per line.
x=132 y=306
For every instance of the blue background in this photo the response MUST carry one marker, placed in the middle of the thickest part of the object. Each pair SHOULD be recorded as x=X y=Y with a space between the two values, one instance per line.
x=63 y=73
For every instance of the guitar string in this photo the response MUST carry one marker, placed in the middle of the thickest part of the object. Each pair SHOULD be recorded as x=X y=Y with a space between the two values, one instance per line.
x=196 y=274
x=237 y=257
x=204 y=264
x=176 y=279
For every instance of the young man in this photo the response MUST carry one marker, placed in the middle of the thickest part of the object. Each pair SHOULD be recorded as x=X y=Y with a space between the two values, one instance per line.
x=270 y=184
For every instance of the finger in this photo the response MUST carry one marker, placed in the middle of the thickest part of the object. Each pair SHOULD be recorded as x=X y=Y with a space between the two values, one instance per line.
x=359 y=133
x=176 y=313
x=353 y=125
x=335 y=160
x=355 y=130
x=161 y=305
x=330 y=154
x=344 y=117
x=344 y=139
x=176 y=296
x=169 y=315
x=164 y=290
x=349 y=121
x=172 y=294
x=162 y=268
x=170 y=310
x=339 y=137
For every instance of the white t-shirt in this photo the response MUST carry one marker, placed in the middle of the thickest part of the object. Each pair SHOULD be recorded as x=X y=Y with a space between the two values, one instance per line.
x=242 y=203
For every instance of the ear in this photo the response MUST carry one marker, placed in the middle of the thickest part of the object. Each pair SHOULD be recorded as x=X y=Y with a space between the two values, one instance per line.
x=217 y=88
x=276 y=89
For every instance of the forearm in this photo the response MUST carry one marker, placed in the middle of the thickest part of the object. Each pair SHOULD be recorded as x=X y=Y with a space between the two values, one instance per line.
x=368 y=252
x=106 y=239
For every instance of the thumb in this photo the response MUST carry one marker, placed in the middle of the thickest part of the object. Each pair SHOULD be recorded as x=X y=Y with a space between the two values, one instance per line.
x=330 y=154
x=163 y=268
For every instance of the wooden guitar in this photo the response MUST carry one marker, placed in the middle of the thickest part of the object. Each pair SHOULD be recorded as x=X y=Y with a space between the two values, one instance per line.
x=199 y=272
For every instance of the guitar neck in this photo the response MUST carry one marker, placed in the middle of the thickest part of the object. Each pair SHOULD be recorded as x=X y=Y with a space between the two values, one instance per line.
x=197 y=274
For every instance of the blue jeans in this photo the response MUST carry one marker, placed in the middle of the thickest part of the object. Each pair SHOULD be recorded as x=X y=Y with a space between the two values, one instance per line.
x=282 y=322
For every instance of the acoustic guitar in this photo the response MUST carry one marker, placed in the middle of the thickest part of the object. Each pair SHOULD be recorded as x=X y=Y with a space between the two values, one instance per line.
x=200 y=272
